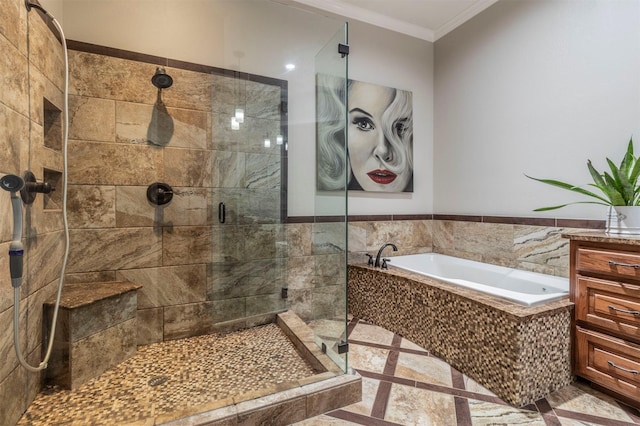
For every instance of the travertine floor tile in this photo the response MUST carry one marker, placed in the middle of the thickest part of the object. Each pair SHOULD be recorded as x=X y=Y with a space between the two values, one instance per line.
x=408 y=344
x=473 y=386
x=580 y=398
x=486 y=413
x=368 y=358
x=423 y=368
x=572 y=422
x=325 y=420
x=413 y=406
x=369 y=391
x=371 y=333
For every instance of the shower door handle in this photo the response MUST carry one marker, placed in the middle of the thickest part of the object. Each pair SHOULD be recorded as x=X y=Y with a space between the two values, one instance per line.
x=222 y=212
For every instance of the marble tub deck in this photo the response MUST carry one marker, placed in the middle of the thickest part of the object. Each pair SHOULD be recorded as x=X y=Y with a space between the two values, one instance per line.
x=402 y=384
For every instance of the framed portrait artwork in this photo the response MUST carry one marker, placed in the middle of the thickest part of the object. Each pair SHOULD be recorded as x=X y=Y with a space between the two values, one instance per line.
x=379 y=136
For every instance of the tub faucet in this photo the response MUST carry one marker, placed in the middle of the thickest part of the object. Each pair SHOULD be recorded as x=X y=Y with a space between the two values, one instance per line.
x=377 y=263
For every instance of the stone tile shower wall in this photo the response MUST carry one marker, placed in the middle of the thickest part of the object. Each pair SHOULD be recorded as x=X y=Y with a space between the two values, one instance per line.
x=316 y=270
x=31 y=66
x=125 y=134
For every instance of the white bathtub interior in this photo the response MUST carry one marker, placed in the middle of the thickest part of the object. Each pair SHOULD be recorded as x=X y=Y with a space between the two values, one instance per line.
x=523 y=287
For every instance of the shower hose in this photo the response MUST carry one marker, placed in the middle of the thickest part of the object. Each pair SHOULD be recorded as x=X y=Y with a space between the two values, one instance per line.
x=16 y=290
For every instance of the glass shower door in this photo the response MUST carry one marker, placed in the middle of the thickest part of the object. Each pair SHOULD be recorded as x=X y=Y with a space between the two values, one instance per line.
x=330 y=210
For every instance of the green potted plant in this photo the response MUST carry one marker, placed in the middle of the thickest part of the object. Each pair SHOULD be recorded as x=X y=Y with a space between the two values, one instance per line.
x=619 y=189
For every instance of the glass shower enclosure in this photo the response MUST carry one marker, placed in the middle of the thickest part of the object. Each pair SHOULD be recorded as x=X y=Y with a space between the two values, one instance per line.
x=331 y=213
x=225 y=252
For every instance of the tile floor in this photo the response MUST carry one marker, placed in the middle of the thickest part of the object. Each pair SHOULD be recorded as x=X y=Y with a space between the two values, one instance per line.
x=403 y=385
x=172 y=376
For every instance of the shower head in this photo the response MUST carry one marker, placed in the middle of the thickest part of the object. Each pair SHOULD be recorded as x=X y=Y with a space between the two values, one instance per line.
x=12 y=183
x=161 y=79
x=30 y=5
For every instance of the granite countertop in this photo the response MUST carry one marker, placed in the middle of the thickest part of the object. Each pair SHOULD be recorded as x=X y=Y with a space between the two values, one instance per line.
x=603 y=237
x=77 y=295
x=516 y=310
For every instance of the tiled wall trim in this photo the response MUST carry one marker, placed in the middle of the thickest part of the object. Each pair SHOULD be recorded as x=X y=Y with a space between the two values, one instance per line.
x=168 y=62
x=507 y=220
x=534 y=221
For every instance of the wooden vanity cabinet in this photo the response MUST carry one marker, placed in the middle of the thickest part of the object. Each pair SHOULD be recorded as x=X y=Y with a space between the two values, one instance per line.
x=605 y=287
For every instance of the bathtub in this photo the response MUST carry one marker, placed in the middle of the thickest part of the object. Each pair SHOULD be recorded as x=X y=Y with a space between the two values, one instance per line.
x=523 y=287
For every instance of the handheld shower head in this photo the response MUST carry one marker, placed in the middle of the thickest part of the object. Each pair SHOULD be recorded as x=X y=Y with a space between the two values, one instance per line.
x=11 y=183
x=161 y=79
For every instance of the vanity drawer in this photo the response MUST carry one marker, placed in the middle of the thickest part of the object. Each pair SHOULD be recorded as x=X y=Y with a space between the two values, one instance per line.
x=614 y=263
x=610 y=305
x=608 y=361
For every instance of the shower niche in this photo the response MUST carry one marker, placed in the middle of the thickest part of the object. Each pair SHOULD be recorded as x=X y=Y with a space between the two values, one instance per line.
x=52 y=125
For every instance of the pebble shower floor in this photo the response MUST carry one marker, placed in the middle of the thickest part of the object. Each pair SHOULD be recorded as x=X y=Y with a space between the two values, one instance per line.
x=173 y=376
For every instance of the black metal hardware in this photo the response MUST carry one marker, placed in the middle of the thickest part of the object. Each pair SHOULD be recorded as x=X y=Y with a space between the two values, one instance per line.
x=384 y=263
x=626 y=370
x=32 y=188
x=628 y=265
x=343 y=347
x=370 y=261
x=159 y=193
x=343 y=49
x=284 y=293
x=376 y=264
x=222 y=213
x=624 y=311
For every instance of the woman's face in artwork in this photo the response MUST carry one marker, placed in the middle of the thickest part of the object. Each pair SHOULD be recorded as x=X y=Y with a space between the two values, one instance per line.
x=370 y=153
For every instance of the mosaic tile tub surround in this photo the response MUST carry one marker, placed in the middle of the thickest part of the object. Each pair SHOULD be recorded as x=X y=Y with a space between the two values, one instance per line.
x=521 y=354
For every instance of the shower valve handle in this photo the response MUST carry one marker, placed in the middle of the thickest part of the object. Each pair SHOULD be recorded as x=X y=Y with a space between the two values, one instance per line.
x=159 y=193
x=384 y=263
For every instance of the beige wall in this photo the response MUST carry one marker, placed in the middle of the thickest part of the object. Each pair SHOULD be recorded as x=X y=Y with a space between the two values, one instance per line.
x=535 y=87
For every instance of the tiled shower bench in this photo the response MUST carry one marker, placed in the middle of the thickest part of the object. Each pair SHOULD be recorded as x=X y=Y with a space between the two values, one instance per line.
x=96 y=330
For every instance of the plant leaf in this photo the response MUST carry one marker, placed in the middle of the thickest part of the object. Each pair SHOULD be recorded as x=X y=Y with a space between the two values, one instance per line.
x=596 y=176
x=620 y=188
x=627 y=160
x=622 y=185
x=611 y=191
x=542 y=209
x=570 y=187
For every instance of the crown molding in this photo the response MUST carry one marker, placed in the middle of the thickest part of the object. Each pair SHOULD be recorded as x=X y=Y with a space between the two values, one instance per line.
x=463 y=17
x=337 y=8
